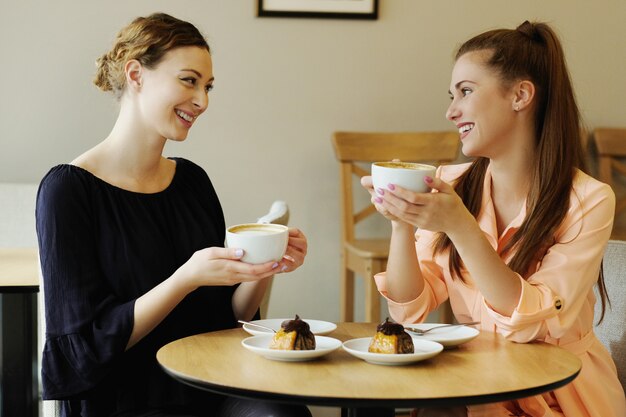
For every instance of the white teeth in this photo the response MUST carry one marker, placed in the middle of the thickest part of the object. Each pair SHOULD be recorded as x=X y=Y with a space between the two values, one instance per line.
x=184 y=116
x=466 y=128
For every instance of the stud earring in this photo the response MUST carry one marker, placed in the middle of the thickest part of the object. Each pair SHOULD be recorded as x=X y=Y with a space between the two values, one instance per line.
x=516 y=108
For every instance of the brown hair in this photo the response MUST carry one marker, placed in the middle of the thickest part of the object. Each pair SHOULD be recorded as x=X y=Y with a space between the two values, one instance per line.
x=531 y=52
x=146 y=39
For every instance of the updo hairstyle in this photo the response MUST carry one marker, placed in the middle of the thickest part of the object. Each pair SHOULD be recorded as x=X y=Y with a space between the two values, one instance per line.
x=146 y=39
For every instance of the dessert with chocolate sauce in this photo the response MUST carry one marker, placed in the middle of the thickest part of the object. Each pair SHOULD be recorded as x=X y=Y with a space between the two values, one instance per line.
x=391 y=338
x=293 y=335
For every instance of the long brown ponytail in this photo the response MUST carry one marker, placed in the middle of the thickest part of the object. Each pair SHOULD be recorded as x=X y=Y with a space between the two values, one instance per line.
x=532 y=52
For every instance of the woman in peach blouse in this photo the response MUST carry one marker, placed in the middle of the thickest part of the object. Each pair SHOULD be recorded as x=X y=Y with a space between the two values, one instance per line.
x=515 y=238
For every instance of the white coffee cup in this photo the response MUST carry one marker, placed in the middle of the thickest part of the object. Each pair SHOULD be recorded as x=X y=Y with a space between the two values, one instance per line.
x=261 y=242
x=409 y=175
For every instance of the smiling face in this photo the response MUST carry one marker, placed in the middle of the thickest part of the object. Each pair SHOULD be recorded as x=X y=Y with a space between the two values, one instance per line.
x=172 y=95
x=481 y=106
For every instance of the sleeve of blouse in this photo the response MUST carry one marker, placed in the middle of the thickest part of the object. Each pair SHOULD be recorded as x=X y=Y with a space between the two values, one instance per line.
x=87 y=328
x=554 y=296
x=435 y=290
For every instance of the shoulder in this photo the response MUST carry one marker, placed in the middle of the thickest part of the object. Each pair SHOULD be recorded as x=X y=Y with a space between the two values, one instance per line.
x=65 y=192
x=585 y=185
x=450 y=173
x=591 y=191
x=192 y=178
x=64 y=182
x=591 y=209
x=193 y=184
x=189 y=169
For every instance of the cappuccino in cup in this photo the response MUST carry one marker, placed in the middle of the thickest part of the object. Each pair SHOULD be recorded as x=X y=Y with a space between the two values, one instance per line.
x=260 y=242
x=409 y=175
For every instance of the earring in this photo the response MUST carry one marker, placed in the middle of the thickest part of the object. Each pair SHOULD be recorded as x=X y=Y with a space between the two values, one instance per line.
x=516 y=108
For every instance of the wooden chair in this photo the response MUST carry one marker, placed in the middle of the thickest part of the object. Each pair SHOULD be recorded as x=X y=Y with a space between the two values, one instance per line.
x=611 y=146
x=367 y=257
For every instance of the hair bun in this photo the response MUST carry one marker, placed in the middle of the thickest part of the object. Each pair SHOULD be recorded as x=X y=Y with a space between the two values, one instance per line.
x=102 y=77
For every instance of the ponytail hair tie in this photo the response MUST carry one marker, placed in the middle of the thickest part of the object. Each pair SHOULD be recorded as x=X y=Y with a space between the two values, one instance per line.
x=530 y=31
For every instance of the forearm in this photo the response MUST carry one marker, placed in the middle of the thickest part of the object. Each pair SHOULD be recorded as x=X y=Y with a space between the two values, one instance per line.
x=248 y=296
x=498 y=284
x=404 y=278
x=152 y=307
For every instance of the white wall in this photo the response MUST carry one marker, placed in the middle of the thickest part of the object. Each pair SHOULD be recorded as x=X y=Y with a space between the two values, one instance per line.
x=282 y=87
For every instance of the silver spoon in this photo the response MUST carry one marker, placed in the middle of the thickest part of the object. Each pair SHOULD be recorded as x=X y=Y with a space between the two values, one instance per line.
x=257 y=325
x=421 y=332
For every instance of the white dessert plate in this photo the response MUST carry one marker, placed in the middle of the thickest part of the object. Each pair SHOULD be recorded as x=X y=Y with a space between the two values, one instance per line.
x=424 y=349
x=260 y=345
x=447 y=336
x=318 y=327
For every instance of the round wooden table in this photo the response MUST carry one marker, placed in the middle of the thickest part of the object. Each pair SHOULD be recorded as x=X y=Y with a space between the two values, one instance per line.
x=486 y=369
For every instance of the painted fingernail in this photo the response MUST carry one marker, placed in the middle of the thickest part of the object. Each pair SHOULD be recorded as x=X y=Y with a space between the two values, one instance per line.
x=428 y=179
x=275 y=265
x=284 y=268
x=378 y=200
x=391 y=187
x=380 y=191
x=239 y=253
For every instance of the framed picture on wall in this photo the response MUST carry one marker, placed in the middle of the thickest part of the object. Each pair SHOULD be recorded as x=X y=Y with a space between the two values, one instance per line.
x=332 y=9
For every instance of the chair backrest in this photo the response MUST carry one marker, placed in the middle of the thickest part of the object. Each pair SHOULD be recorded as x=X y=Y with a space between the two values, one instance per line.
x=352 y=148
x=611 y=145
x=612 y=330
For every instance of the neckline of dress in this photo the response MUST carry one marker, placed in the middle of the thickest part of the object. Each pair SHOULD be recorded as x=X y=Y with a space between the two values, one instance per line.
x=124 y=190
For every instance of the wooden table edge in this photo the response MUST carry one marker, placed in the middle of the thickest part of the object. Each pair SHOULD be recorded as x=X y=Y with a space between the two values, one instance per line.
x=367 y=402
x=352 y=402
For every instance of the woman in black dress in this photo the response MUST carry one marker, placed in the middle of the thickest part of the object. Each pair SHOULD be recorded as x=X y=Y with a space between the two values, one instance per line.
x=131 y=242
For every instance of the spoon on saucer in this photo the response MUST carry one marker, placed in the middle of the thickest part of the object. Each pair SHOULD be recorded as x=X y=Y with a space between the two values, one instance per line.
x=423 y=331
x=257 y=325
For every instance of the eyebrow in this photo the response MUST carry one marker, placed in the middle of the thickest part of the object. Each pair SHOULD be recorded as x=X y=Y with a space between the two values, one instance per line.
x=457 y=85
x=197 y=73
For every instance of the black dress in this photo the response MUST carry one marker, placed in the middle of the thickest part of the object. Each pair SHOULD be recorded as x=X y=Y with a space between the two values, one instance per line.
x=102 y=247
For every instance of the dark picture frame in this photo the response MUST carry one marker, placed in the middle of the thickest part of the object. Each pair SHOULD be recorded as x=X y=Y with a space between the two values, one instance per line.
x=326 y=9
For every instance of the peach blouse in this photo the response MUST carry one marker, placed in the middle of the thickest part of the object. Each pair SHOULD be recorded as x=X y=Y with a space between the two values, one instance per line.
x=556 y=304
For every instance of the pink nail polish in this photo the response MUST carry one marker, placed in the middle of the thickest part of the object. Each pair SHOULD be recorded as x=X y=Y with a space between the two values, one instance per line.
x=378 y=200
x=391 y=187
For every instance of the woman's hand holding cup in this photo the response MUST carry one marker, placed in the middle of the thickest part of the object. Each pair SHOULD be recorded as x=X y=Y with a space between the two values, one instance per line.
x=395 y=175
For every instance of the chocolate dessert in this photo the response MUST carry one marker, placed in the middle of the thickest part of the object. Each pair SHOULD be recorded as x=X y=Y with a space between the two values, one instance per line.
x=293 y=335
x=391 y=338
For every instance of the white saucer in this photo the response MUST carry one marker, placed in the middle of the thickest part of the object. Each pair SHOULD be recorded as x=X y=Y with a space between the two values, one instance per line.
x=447 y=336
x=424 y=349
x=318 y=327
x=260 y=345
